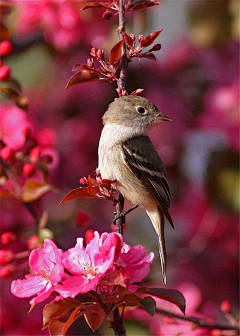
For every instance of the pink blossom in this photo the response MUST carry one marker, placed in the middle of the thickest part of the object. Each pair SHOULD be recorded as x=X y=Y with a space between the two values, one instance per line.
x=13 y=126
x=88 y=264
x=135 y=263
x=48 y=270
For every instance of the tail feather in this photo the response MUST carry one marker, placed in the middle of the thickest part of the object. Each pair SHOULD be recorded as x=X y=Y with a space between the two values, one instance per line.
x=158 y=222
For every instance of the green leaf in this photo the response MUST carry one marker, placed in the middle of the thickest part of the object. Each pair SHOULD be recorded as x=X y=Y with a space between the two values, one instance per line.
x=148 y=304
x=171 y=295
x=57 y=309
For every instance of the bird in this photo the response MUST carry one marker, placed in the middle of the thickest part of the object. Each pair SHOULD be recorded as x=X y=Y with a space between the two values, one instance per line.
x=127 y=157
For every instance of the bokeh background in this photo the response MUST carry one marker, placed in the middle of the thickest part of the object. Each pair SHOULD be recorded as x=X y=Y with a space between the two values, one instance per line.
x=195 y=81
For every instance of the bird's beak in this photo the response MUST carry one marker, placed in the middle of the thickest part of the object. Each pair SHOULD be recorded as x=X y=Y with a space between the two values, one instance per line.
x=163 y=117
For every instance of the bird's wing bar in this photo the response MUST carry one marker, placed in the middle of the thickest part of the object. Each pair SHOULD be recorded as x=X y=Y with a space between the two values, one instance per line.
x=147 y=166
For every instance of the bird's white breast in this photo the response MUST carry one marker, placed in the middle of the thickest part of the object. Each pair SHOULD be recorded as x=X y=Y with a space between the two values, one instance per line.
x=112 y=166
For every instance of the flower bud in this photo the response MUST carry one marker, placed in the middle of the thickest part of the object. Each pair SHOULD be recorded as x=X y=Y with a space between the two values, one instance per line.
x=93 y=52
x=7 y=238
x=28 y=169
x=5 y=71
x=6 y=271
x=33 y=242
x=83 y=219
x=107 y=15
x=6 y=256
x=7 y=153
x=90 y=62
x=83 y=180
x=89 y=235
x=226 y=307
x=140 y=38
x=99 y=54
x=133 y=37
x=5 y=48
x=169 y=320
x=35 y=154
x=45 y=234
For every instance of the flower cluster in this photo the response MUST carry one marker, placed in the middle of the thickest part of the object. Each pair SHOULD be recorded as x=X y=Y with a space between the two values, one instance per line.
x=86 y=267
x=5 y=50
x=24 y=153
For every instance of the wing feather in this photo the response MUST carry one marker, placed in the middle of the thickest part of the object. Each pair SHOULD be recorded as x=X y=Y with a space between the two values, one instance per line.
x=147 y=166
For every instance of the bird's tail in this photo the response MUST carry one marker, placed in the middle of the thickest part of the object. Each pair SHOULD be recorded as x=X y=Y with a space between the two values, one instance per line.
x=158 y=222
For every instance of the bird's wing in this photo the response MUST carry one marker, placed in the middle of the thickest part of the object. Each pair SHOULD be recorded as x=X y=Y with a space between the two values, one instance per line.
x=147 y=166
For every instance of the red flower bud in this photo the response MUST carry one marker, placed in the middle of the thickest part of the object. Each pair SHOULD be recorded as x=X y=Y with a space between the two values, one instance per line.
x=6 y=256
x=226 y=307
x=89 y=235
x=28 y=169
x=93 y=52
x=133 y=37
x=6 y=271
x=83 y=219
x=5 y=71
x=35 y=154
x=5 y=48
x=90 y=62
x=7 y=238
x=33 y=242
x=99 y=54
x=107 y=15
x=140 y=38
x=7 y=153
x=169 y=320
x=83 y=180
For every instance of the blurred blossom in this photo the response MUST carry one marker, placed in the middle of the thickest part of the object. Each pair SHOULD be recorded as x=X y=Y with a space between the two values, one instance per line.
x=13 y=126
x=62 y=22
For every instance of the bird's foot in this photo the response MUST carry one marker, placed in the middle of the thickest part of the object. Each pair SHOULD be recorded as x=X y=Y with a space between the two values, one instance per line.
x=122 y=214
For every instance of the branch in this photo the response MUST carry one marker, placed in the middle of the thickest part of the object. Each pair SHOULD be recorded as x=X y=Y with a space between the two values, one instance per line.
x=200 y=322
x=121 y=29
x=117 y=324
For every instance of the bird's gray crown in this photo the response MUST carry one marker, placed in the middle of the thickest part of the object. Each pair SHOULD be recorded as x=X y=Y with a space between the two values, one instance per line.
x=131 y=111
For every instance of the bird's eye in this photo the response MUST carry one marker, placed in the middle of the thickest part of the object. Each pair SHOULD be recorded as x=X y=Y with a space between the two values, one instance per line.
x=141 y=110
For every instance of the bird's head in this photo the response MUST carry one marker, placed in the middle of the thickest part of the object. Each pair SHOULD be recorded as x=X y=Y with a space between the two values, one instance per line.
x=133 y=111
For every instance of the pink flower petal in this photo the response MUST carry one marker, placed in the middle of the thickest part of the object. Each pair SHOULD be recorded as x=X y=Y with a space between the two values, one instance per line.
x=32 y=285
x=75 y=285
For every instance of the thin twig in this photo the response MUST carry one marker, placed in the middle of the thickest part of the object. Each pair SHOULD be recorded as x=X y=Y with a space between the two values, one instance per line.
x=200 y=322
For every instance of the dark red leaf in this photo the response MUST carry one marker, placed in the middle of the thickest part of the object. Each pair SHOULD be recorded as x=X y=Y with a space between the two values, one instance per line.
x=93 y=189
x=171 y=295
x=116 y=52
x=85 y=67
x=72 y=318
x=82 y=77
x=98 y=4
x=143 y=4
x=56 y=327
x=57 y=309
x=156 y=47
x=147 y=55
x=112 y=279
x=128 y=39
x=94 y=320
x=148 y=40
x=76 y=67
x=148 y=304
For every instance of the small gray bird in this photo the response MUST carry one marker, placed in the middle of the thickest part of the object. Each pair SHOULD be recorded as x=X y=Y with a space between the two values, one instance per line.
x=126 y=154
